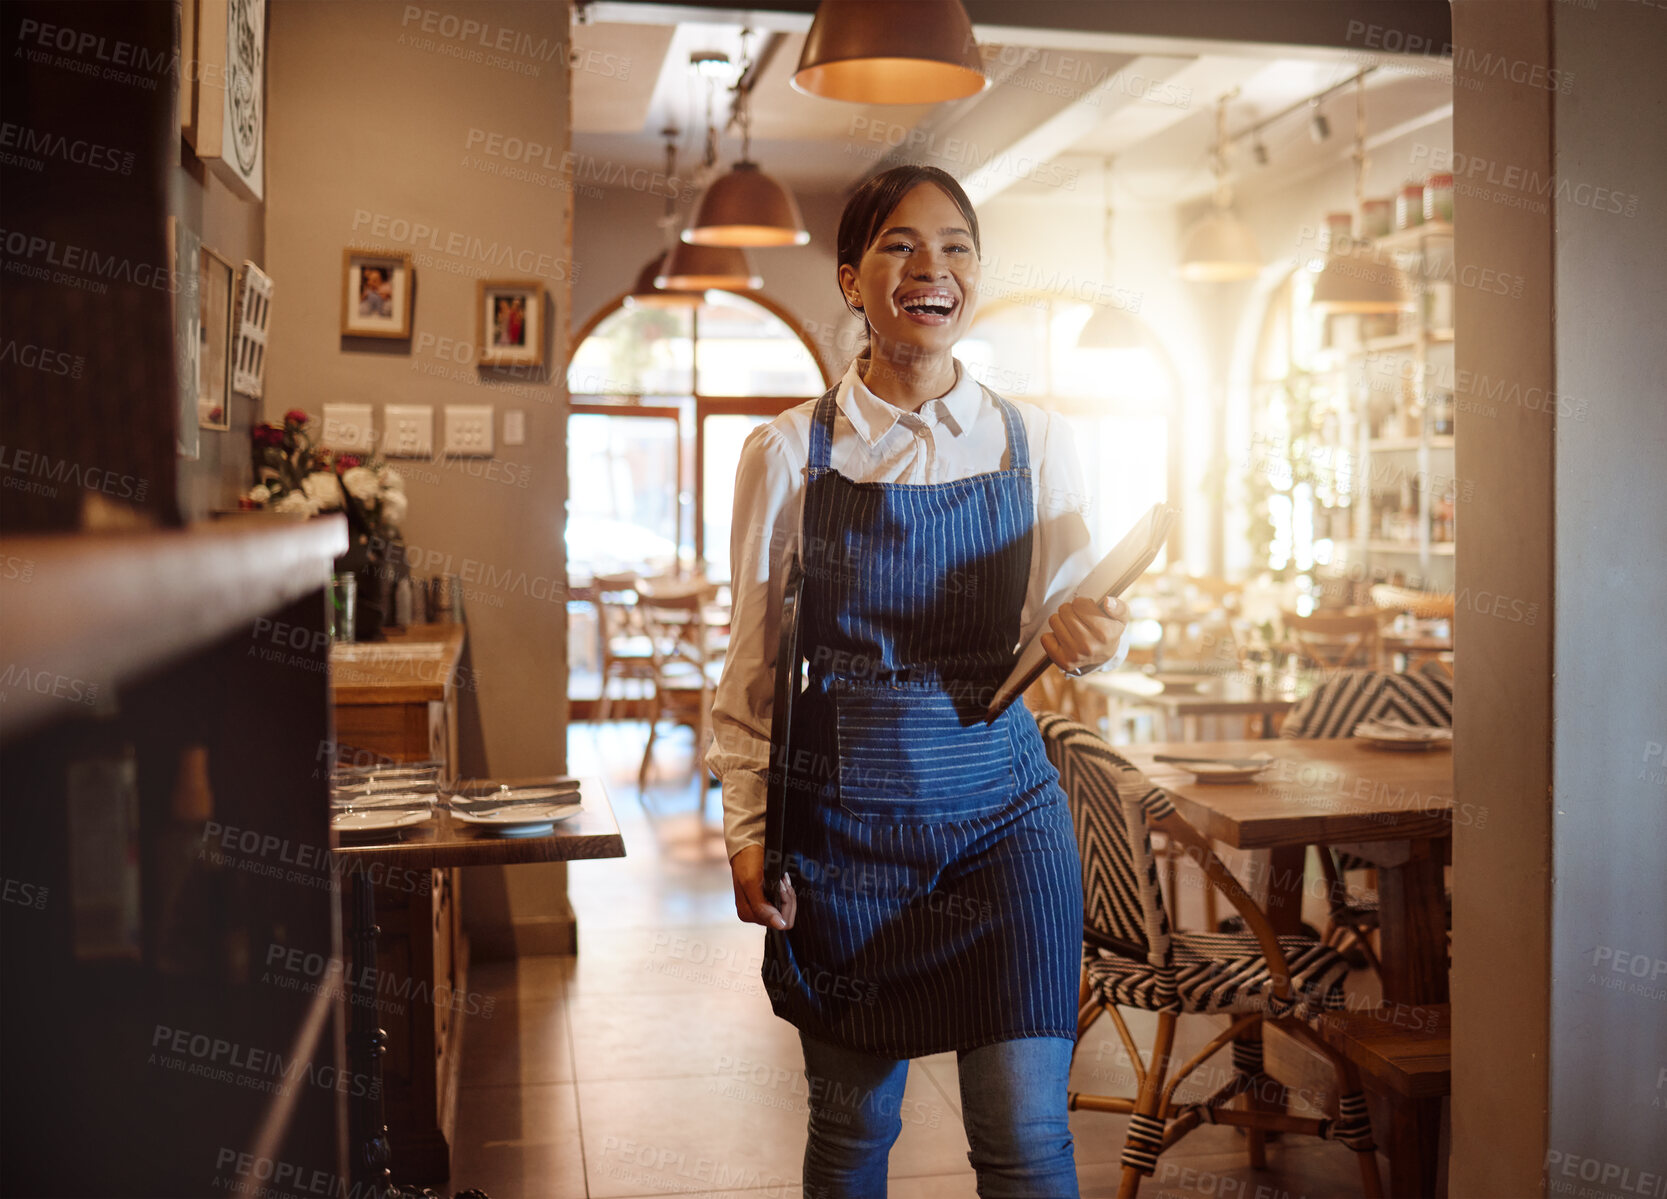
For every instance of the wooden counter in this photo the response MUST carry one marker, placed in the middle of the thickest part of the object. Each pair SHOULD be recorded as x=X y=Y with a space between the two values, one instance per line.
x=398 y=698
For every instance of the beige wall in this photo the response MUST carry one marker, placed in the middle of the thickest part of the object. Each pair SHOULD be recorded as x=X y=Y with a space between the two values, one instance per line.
x=235 y=229
x=373 y=119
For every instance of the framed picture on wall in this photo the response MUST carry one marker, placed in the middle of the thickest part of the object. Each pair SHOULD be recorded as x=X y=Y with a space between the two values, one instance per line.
x=227 y=101
x=509 y=322
x=214 y=351
x=185 y=251
x=254 y=309
x=376 y=294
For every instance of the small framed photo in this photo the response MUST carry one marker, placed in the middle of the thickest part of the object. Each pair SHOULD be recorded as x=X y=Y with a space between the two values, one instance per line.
x=509 y=322
x=255 y=318
x=376 y=294
x=214 y=353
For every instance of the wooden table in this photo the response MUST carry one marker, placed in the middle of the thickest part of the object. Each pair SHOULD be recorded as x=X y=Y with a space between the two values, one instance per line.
x=441 y=844
x=1230 y=694
x=1393 y=808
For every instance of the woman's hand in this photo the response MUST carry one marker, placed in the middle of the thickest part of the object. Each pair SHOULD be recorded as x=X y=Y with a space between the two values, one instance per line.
x=746 y=870
x=1085 y=634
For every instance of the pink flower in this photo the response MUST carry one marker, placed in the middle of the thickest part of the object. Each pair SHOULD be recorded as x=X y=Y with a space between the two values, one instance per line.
x=296 y=417
x=267 y=435
x=347 y=462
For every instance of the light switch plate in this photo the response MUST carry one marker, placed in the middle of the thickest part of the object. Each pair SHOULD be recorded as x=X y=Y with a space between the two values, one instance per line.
x=515 y=427
x=408 y=430
x=468 y=430
x=349 y=427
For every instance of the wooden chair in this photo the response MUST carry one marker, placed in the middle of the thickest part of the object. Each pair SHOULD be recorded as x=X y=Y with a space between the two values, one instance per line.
x=1130 y=958
x=1405 y=1054
x=1421 y=697
x=626 y=652
x=1341 y=640
x=686 y=670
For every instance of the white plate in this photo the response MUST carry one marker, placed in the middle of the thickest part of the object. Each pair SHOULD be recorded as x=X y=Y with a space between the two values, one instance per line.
x=1389 y=737
x=522 y=820
x=1218 y=772
x=365 y=822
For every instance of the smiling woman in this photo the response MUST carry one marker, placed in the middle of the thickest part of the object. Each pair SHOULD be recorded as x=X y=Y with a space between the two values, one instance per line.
x=937 y=524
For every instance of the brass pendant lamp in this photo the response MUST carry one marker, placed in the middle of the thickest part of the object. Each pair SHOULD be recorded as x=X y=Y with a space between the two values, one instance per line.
x=890 y=52
x=1355 y=278
x=1220 y=248
x=746 y=207
x=696 y=268
x=645 y=293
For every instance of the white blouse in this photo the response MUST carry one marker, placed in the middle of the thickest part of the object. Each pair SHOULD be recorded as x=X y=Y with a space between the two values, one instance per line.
x=959 y=434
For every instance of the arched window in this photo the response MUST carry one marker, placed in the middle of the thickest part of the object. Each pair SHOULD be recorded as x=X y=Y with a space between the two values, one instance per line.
x=661 y=400
x=1122 y=403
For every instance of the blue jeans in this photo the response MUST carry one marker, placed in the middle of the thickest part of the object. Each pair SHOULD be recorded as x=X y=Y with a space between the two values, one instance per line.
x=1012 y=1103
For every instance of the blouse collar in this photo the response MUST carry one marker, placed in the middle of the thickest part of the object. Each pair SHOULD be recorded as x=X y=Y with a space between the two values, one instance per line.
x=873 y=418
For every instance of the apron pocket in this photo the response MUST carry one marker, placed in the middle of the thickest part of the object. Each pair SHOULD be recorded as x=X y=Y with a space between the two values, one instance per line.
x=905 y=755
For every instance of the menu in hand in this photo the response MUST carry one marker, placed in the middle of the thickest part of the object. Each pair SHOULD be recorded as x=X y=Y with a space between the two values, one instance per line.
x=1127 y=561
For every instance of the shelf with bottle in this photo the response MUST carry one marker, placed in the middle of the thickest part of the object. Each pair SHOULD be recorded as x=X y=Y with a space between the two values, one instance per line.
x=1411 y=240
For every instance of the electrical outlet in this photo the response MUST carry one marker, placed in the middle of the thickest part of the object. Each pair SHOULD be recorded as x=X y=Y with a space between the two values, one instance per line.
x=515 y=427
x=469 y=430
x=348 y=427
x=408 y=430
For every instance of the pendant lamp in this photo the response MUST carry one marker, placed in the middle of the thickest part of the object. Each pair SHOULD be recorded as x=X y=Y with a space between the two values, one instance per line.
x=1220 y=248
x=746 y=207
x=1355 y=278
x=696 y=268
x=887 y=52
x=644 y=294
x=1110 y=328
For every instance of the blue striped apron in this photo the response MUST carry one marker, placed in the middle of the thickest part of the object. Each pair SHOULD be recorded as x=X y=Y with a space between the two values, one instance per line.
x=933 y=856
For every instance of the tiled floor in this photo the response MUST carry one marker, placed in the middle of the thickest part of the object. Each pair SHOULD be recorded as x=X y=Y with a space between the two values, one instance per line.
x=651 y=1063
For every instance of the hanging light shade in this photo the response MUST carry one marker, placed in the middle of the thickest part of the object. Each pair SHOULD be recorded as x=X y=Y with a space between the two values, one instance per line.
x=885 y=52
x=746 y=208
x=696 y=268
x=644 y=294
x=1355 y=280
x=1111 y=329
x=1220 y=248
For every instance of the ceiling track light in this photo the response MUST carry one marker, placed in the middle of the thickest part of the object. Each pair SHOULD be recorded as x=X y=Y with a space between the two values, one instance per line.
x=746 y=207
x=1319 y=128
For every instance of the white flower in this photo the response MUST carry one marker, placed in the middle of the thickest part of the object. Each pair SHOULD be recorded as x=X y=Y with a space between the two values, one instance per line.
x=391 y=479
x=394 y=508
x=361 y=484
x=260 y=493
x=324 y=490
x=295 y=501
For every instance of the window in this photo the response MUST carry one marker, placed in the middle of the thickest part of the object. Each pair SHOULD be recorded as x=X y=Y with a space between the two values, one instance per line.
x=662 y=400
x=1121 y=403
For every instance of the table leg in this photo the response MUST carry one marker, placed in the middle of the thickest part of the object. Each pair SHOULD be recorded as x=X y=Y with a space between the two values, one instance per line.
x=1413 y=928
x=372 y=1155
x=1286 y=866
x=365 y=1046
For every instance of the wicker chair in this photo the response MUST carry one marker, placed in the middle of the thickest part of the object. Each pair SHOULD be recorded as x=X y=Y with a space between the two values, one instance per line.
x=1422 y=697
x=1131 y=958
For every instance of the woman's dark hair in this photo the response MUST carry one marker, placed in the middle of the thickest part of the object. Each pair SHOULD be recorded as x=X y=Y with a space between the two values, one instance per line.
x=874 y=201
